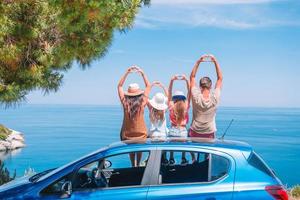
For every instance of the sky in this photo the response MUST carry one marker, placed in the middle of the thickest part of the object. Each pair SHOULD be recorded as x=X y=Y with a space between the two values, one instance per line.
x=257 y=43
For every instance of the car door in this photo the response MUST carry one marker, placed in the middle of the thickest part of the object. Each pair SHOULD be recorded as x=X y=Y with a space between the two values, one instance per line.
x=125 y=181
x=210 y=177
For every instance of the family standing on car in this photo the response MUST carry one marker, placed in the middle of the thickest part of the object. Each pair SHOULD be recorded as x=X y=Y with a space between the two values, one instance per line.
x=204 y=106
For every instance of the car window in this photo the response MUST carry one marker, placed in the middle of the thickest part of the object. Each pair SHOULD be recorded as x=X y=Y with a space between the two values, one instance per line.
x=219 y=167
x=112 y=171
x=189 y=167
x=70 y=164
x=259 y=164
x=56 y=187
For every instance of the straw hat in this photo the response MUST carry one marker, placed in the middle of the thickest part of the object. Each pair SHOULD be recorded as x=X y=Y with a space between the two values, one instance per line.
x=134 y=90
x=159 y=101
x=178 y=95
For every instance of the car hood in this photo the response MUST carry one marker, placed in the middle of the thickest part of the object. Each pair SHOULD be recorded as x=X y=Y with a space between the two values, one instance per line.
x=14 y=184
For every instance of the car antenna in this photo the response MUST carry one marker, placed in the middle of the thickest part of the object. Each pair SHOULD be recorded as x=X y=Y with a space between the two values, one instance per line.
x=222 y=138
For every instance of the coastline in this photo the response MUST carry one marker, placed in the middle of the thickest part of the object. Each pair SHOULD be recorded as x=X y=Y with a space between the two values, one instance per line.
x=10 y=139
x=79 y=130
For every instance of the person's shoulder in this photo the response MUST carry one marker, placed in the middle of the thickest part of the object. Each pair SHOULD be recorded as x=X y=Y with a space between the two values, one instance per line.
x=216 y=96
x=217 y=91
x=195 y=90
x=194 y=87
x=171 y=106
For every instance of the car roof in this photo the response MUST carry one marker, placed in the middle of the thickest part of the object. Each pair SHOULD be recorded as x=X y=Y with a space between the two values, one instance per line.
x=191 y=141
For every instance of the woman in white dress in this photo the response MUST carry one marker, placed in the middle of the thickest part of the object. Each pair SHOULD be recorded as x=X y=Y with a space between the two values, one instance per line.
x=157 y=113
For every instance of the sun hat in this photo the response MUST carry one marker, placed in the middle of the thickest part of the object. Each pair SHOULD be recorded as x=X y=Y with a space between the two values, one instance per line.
x=159 y=101
x=134 y=90
x=178 y=95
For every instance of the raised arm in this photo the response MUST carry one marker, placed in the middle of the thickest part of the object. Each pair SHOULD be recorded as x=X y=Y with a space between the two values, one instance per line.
x=159 y=84
x=188 y=89
x=170 y=90
x=121 y=83
x=194 y=72
x=146 y=81
x=218 y=71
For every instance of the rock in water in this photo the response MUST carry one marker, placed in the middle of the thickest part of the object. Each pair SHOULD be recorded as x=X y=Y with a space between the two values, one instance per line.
x=15 y=144
x=13 y=141
x=3 y=145
x=15 y=136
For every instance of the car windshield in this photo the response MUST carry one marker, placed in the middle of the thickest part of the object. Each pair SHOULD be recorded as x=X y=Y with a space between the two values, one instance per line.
x=69 y=164
x=39 y=175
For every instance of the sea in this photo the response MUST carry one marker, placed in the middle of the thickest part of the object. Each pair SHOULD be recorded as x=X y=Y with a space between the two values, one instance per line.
x=58 y=134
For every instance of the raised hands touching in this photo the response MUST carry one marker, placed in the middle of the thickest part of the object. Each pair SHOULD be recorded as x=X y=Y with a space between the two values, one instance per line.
x=159 y=84
x=156 y=83
x=179 y=77
x=134 y=69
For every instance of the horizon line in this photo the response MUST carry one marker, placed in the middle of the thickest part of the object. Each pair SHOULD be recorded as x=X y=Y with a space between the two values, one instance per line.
x=119 y=105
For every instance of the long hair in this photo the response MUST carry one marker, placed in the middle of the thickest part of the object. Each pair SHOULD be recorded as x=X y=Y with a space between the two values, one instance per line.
x=133 y=105
x=180 y=111
x=157 y=116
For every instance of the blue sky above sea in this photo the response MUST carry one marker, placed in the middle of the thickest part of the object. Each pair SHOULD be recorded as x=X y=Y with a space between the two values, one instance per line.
x=256 y=42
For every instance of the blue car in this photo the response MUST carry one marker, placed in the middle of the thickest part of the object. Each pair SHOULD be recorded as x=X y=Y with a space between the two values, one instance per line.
x=216 y=169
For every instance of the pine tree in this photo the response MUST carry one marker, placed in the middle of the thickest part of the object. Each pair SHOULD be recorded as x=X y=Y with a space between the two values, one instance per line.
x=41 y=39
x=4 y=174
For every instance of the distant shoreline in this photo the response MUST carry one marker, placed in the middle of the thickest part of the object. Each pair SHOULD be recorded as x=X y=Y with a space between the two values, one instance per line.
x=118 y=105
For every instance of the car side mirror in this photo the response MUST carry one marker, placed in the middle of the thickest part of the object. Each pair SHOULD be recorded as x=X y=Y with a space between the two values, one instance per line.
x=107 y=164
x=66 y=189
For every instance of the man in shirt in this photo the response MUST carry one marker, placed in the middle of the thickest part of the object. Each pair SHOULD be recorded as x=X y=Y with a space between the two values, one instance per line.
x=205 y=101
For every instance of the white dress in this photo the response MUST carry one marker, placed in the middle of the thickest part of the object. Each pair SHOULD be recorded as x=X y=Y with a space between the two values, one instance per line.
x=158 y=129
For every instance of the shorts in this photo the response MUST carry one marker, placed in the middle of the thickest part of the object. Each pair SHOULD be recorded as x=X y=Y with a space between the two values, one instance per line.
x=178 y=132
x=201 y=135
x=157 y=134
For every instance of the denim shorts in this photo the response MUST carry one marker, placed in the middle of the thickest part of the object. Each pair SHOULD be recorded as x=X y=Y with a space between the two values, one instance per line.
x=178 y=132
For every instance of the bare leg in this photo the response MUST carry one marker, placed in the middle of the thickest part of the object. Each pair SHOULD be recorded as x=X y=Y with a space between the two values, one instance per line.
x=164 y=155
x=193 y=157
x=138 y=158
x=132 y=159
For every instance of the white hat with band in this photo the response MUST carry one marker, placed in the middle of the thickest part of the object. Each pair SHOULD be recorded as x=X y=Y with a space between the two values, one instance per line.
x=159 y=101
x=134 y=90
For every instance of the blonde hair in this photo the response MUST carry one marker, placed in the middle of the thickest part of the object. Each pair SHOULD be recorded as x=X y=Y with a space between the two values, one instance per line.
x=157 y=115
x=180 y=111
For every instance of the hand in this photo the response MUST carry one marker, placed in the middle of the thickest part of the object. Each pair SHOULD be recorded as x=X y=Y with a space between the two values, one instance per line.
x=183 y=77
x=129 y=70
x=139 y=70
x=202 y=58
x=212 y=57
x=174 y=78
x=178 y=77
x=132 y=69
x=156 y=83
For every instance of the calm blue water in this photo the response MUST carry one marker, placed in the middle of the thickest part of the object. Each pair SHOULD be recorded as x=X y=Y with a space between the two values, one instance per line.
x=57 y=134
